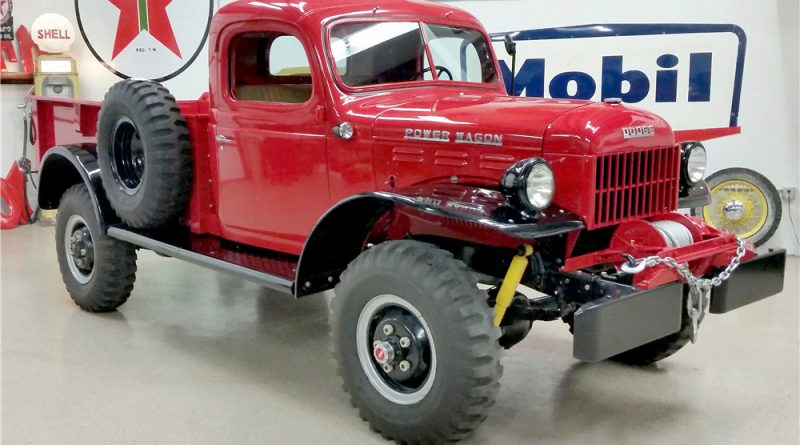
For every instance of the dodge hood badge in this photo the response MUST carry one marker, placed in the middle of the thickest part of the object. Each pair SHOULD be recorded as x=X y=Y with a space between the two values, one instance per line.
x=644 y=131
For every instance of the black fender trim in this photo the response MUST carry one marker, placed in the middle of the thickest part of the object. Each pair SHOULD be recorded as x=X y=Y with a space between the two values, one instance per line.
x=340 y=235
x=64 y=166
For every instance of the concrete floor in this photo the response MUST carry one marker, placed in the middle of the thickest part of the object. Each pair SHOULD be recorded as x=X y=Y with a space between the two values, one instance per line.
x=196 y=357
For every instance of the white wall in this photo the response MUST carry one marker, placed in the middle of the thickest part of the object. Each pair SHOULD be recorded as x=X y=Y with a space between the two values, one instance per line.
x=769 y=113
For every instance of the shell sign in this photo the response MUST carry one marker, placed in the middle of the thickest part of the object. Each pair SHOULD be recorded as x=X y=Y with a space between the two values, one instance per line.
x=53 y=33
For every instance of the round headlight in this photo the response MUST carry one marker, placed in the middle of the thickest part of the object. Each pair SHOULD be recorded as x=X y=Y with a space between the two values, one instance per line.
x=539 y=186
x=532 y=182
x=695 y=161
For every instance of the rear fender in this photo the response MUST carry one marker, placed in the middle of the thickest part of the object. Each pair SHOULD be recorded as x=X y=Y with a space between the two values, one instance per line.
x=64 y=166
x=458 y=212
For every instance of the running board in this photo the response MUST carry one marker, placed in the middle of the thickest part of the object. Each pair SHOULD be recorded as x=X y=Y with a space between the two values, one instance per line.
x=269 y=269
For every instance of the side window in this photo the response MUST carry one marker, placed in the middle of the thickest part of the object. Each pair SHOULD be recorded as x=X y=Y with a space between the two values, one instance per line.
x=270 y=67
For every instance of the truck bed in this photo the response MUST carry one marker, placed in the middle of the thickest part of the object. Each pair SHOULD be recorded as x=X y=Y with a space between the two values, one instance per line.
x=64 y=121
x=71 y=122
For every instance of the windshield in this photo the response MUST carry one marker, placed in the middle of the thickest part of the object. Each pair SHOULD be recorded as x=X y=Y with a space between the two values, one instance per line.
x=376 y=53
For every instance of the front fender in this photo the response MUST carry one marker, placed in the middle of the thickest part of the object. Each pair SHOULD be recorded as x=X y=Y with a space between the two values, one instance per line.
x=464 y=213
x=63 y=167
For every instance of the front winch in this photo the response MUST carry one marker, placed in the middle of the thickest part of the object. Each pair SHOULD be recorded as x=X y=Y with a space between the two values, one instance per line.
x=674 y=233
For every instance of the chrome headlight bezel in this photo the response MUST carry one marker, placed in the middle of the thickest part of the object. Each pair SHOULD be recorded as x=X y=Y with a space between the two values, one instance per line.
x=519 y=178
x=694 y=162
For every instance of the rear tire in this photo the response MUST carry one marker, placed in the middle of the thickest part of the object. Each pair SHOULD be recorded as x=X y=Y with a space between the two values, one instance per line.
x=144 y=153
x=98 y=270
x=443 y=398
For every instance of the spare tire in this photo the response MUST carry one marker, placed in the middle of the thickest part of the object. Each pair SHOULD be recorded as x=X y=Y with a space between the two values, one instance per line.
x=144 y=153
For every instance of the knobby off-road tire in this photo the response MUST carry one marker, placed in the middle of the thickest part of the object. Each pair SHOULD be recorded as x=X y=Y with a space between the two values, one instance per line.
x=98 y=271
x=145 y=154
x=414 y=280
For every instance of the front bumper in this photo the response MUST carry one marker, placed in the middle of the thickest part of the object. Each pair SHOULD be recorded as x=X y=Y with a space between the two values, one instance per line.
x=611 y=325
x=752 y=281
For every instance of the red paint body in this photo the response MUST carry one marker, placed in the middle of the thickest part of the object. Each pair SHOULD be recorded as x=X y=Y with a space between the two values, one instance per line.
x=283 y=167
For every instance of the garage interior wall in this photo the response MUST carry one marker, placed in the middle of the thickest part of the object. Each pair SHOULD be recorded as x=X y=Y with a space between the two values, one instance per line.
x=769 y=114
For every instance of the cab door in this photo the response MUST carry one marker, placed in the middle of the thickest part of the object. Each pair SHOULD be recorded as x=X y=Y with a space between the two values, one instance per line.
x=270 y=138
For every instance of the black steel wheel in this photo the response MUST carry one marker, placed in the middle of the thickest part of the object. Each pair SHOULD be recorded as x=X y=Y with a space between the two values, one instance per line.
x=144 y=153
x=415 y=344
x=395 y=349
x=98 y=271
x=127 y=155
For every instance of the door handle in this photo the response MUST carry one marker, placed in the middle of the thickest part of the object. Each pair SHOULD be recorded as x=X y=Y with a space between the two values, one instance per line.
x=222 y=139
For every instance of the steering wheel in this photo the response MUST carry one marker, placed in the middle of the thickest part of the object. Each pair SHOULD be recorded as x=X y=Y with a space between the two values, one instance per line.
x=439 y=71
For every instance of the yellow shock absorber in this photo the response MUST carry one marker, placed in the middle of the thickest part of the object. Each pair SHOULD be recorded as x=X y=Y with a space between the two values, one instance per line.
x=509 y=287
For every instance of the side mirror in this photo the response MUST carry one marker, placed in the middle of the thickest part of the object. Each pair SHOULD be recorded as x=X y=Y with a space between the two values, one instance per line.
x=511 y=45
x=511 y=49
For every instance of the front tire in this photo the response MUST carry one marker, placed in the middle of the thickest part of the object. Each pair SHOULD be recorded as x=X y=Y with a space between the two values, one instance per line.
x=433 y=374
x=98 y=270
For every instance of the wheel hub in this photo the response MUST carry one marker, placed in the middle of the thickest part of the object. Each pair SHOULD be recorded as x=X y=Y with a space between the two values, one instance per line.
x=384 y=352
x=127 y=156
x=734 y=210
x=395 y=349
x=81 y=248
x=399 y=347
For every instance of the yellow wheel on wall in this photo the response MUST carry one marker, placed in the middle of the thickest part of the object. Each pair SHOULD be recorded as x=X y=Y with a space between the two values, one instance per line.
x=743 y=202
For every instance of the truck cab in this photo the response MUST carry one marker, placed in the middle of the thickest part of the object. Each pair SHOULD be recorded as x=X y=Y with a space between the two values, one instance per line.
x=370 y=147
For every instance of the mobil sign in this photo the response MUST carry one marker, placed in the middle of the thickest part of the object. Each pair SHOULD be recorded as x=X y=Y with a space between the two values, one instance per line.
x=689 y=74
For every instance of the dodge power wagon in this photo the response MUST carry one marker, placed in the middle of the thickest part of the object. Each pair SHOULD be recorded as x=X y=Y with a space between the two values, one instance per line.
x=370 y=147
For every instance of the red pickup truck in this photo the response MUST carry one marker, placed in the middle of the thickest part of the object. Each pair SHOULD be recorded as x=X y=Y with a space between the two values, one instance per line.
x=370 y=147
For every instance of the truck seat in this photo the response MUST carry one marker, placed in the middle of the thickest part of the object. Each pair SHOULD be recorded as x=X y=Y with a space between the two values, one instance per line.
x=281 y=93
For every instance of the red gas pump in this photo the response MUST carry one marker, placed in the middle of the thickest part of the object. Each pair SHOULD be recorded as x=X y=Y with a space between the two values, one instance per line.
x=13 y=188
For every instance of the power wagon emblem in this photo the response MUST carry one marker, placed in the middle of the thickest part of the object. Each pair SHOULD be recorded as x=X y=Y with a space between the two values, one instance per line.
x=645 y=131
x=461 y=137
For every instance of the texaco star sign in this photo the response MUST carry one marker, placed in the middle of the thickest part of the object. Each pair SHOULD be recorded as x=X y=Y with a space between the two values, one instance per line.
x=152 y=39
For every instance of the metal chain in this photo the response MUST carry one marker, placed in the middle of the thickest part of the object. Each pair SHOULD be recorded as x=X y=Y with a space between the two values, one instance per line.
x=698 y=287
x=686 y=273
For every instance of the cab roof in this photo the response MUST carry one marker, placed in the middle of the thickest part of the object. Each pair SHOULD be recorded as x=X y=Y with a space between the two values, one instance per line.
x=320 y=11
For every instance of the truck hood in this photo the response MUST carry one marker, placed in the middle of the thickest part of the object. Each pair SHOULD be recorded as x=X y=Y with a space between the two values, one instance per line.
x=464 y=119
x=423 y=136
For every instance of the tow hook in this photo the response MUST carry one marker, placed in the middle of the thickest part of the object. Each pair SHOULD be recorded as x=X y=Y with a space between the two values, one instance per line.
x=631 y=266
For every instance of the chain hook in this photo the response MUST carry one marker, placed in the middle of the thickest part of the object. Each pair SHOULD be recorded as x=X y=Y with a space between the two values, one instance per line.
x=631 y=266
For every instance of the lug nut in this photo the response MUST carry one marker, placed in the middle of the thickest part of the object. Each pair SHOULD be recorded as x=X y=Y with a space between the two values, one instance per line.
x=387 y=368
x=405 y=342
x=83 y=251
x=388 y=329
x=376 y=343
x=404 y=366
